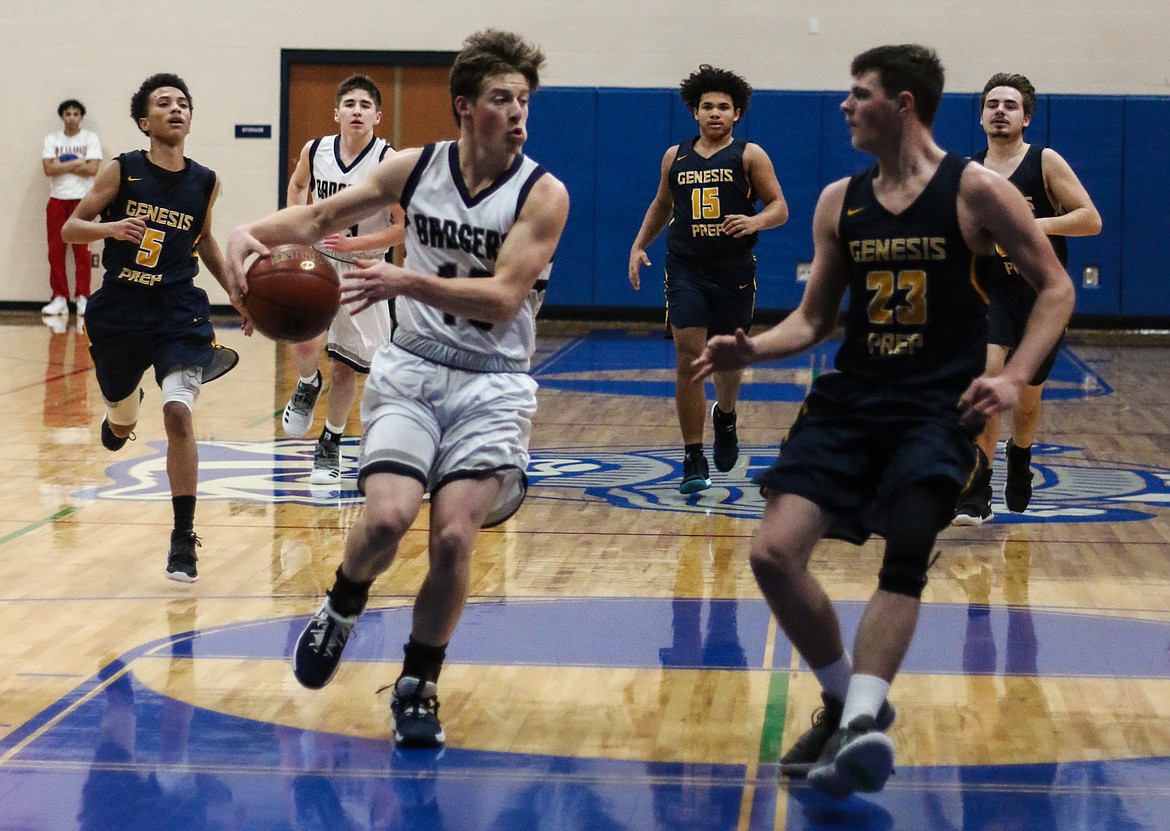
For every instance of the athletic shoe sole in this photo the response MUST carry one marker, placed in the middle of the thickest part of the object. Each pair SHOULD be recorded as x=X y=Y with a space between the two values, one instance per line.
x=323 y=476
x=420 y=743
x=971 y=520
x=864 y=765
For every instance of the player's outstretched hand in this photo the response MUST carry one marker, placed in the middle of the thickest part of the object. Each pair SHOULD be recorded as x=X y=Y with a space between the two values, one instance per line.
x=371 y=282
x=340 y=243
x=986 y=396
x=240 y=245
x=724 y=352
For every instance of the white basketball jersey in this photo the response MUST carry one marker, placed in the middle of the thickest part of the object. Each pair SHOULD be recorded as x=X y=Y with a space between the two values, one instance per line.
x=328 y=174
x=453 y=234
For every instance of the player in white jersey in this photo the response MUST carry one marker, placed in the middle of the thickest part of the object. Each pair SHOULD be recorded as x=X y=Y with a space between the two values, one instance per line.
x=448 y=405
x=327 y=165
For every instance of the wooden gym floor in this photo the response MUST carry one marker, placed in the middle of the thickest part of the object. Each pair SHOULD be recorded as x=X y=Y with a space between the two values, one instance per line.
x=616 y=667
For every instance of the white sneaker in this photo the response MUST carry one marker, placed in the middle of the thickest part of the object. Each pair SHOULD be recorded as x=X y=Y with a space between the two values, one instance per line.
x=57 y=306
x=298 y=413
x=326 y=463
x=82 y=302
x=57 y=325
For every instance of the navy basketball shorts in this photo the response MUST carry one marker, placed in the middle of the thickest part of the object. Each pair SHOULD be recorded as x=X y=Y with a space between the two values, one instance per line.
x=1007 y=315
x=720 y=300
x=853 y=445
x=131 y=329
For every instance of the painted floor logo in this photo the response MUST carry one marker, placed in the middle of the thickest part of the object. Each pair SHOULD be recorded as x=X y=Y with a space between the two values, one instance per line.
x=1068 y=487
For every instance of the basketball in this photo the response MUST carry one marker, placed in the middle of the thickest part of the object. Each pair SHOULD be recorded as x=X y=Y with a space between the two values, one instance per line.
x=293 y=293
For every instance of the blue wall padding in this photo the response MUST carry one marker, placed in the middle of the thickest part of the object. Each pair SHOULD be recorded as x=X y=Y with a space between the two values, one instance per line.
x=607 y=144
x=1145 y=234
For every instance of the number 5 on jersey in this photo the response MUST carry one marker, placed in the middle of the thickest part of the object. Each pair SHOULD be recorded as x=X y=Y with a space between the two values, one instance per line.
x=150 y=248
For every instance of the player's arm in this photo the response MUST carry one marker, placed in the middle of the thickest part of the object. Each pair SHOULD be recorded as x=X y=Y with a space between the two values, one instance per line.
x=84 y=226
x=657 y=215
x=527 y=250
x=297 y=192
x=80 y=167
x=816 y=316
x=388 y=237
x=765 y=187
x=996 y=206
x=209 y=253
x=306 y=224
x=89 y=167
x=1078 y=215
x=208 y=249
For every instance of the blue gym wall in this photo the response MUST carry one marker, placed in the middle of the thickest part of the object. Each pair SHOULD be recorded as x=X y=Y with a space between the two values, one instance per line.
x=607 y=144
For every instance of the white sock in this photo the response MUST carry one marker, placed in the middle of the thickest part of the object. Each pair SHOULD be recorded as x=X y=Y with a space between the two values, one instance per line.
x=338 y=430
x=867 y=693
x=311 y=380
x=834 y=678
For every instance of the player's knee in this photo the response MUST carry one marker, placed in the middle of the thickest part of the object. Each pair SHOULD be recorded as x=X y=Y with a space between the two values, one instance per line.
x=451 y=544
x=904 y=570
x=386 y=523
x=181 y=386
x=772 y=564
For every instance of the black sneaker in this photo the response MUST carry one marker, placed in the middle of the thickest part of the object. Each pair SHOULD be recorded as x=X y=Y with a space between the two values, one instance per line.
x=696 y=474
x=326 y=463
x=974 y=509
x=1017 y=493
x=318 y=651
x=857 y=758
x=415 y=707
x=110 y=441
x=181 y=557
x=298 y=412
x=726 y=448
x=974 y=506
x=805 y=752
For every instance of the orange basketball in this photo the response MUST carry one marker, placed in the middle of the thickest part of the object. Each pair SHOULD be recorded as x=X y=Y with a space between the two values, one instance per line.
x=293 y=293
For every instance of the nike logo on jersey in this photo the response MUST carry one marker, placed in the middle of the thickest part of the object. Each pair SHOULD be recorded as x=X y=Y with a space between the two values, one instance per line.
x=133 y=178
x=853 y=211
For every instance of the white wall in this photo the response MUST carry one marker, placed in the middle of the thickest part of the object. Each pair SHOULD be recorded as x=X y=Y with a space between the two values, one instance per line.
x=228 y=51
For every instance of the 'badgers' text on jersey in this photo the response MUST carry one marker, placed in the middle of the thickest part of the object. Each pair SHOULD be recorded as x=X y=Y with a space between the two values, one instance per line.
x=453 y=234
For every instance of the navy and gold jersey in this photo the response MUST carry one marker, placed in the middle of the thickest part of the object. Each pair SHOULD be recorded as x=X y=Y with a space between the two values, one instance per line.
x=999 y=273
x=917 y=316
x=174 y=206
x=705 y=191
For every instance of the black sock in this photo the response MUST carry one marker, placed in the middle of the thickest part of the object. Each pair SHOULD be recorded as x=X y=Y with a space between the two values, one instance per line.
x=184 y=510
x=1017 y=454
x=329 y=435
x=422 y=661
x=348 y=597
x=693 y=449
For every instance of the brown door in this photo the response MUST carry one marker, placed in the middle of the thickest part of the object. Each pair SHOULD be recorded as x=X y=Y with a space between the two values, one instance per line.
x=416 y=104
